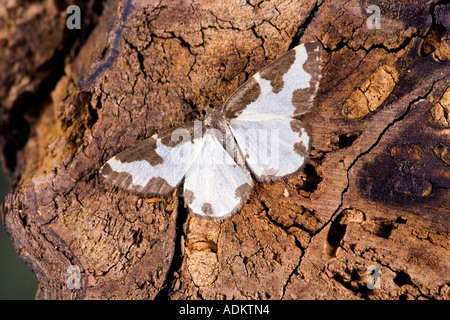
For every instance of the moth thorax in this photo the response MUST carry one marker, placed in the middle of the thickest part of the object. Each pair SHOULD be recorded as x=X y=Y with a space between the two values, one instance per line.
x=214 y=121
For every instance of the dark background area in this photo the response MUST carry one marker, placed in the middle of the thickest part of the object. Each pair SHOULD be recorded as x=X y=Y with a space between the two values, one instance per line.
x=16 y=279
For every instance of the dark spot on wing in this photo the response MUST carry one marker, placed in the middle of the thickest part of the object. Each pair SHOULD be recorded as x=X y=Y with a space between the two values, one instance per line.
x=207 y=209
x=299 y=147
x=144 y=150
x=155 y=187
x=277 y=70
x=180 y=134
x=158 y=186
x=105 y=171
x=243 y=191
x=269 y=174
x=241 y=98
x=302 y=99
x=188 y=196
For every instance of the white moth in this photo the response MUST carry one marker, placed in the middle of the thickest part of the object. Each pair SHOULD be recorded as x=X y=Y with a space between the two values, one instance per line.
x=257 y=135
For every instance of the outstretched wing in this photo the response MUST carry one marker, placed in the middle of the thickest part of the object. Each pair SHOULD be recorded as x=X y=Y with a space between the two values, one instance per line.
x=261 y=113
x=215 y=185
x=272 y=148
x=155 y=166
x=284 y=88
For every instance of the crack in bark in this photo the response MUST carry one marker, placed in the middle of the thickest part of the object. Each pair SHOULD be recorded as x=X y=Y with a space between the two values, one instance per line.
x=177 y=259
x=114 y=48
x=140 y=58
x=363 y=290
x=301 y=29
x=344 y=44
x=344 y=191
x=394 y=121
x=359 y=156
x=296 y=241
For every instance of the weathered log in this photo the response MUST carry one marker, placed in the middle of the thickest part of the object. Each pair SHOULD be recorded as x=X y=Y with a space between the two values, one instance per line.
x=374 y=193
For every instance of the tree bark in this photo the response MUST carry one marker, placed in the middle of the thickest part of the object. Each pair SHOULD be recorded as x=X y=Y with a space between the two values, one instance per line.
x=374 y=193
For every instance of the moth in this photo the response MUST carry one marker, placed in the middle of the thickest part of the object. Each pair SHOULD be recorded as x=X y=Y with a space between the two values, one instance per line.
x=257 y=135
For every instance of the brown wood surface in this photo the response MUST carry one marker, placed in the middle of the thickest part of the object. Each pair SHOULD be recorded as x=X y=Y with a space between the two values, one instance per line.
x=375 y=192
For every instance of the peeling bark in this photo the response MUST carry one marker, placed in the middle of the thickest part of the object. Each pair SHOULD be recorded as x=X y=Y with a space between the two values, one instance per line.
x=375 y=191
